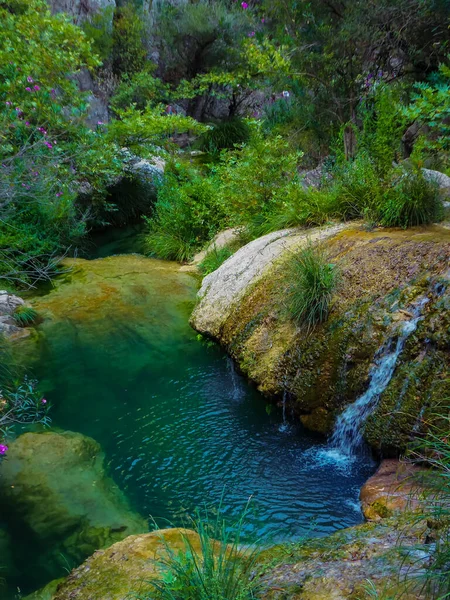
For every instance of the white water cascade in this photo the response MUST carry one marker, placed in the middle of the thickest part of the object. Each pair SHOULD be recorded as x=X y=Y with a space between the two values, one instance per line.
x=238 y=391
x=347 y=436
x=285 y=425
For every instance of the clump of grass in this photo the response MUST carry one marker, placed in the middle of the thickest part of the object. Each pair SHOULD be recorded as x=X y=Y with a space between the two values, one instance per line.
x=225 y=135
x=221 y=570
x=313 y=282
x=25 y=316
x=411 y=201
x=214 y=258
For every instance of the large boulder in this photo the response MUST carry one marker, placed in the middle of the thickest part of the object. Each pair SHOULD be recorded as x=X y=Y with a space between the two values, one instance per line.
x=223 y=289
x=80 y=10
x=386 y=276
x=55 y=485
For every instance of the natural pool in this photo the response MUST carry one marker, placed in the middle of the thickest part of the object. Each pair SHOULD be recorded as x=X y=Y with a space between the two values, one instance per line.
x=118 y=361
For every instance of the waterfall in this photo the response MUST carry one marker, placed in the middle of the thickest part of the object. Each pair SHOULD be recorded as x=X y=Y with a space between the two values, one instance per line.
x=238 y=391
x=347 y=435
x=284 y=426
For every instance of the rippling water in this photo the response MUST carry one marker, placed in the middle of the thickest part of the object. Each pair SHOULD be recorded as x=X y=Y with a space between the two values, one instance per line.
x=179 y=427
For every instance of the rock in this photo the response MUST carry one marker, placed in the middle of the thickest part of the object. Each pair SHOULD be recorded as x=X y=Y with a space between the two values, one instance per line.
x=47 y=592
x=147 y=170
x=222 y=290
x=393 y=488
x=55 y=485
x=80 y=10
x=244 y=305
x=9 y=302
x=126 y=567
x=339 y=566
x=441 y=179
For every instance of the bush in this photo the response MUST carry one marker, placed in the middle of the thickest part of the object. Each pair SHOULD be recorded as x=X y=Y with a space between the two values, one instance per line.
x=225 y=136
x=186 y=215
x=139 y=90
x=222 y=570
x=411 y=201
x=214 y=259
x=128 y=51
x=25 y=316
x=254 y=179
x=313 y=283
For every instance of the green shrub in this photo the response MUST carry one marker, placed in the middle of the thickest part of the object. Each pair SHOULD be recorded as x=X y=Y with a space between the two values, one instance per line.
x=222 y=570
x=254 y=179
x=128 y=51
x=140 y=89
x=24 y=316
x=313 y=282
x=186 y=215
x=411 y=200
x=214 y=259
x=225 y=136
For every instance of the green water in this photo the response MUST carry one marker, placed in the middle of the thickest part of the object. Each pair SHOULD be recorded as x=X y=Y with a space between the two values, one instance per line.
x=119 y=362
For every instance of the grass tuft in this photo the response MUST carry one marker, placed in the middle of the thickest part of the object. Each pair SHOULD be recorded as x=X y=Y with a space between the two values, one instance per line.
x=314 y=281
x=222 y=570
x=25 y=316
x=214 y=259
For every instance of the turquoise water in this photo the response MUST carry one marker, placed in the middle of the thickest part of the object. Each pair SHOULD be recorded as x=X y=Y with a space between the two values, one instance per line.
x=180 y=428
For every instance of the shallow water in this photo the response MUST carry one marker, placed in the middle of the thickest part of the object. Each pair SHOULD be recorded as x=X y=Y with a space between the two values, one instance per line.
x=180 y=428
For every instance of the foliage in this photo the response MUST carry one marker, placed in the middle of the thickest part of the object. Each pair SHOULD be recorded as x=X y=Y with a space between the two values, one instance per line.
x=186 y=214
x=412 y=200
x=140 y=130
x=313 y=282
x=99 y=31
x=47 y=151
x=254 y=178
x=431 y=107
x=138 y=90
x=225 y=135
x=128 y=50
x=24 y=316
x=221 y=570
x=21 y=403
x=214 y=258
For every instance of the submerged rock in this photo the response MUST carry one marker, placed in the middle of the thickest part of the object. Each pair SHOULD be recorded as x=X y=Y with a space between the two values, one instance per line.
x=384 y=273
x=55 y=486
x=8 y=304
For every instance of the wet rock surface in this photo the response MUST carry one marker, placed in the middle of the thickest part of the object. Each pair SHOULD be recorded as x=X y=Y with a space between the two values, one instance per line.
x=54 y=486
x=392 y=489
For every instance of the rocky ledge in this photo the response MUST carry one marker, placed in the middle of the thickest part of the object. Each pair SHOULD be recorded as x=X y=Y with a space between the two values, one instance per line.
x=385 y=275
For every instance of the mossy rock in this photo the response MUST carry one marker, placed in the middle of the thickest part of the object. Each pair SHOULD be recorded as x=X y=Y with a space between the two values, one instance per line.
x=54 y=485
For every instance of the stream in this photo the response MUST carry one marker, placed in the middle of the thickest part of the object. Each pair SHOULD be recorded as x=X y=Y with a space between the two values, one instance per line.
x=179 y=426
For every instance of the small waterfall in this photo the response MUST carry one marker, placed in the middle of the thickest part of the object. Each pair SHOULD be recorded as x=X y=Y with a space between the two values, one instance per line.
x=347 y=436
x=238 y=391
x=285 y=425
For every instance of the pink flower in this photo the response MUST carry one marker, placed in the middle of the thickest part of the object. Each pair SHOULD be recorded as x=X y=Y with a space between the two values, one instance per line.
x=99 y=122
x=48 y=145
x=3 y=449
x=244 y=5
x=8 y=103
x=29 y=79
x=58 y=194
x=37 y=88
x=44 y=401
x=251 y=34
x=263 y=20
x=28 y=89
x=27 y=123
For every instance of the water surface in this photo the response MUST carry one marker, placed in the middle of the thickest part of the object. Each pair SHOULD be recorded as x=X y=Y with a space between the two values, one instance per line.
x=180 y=429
